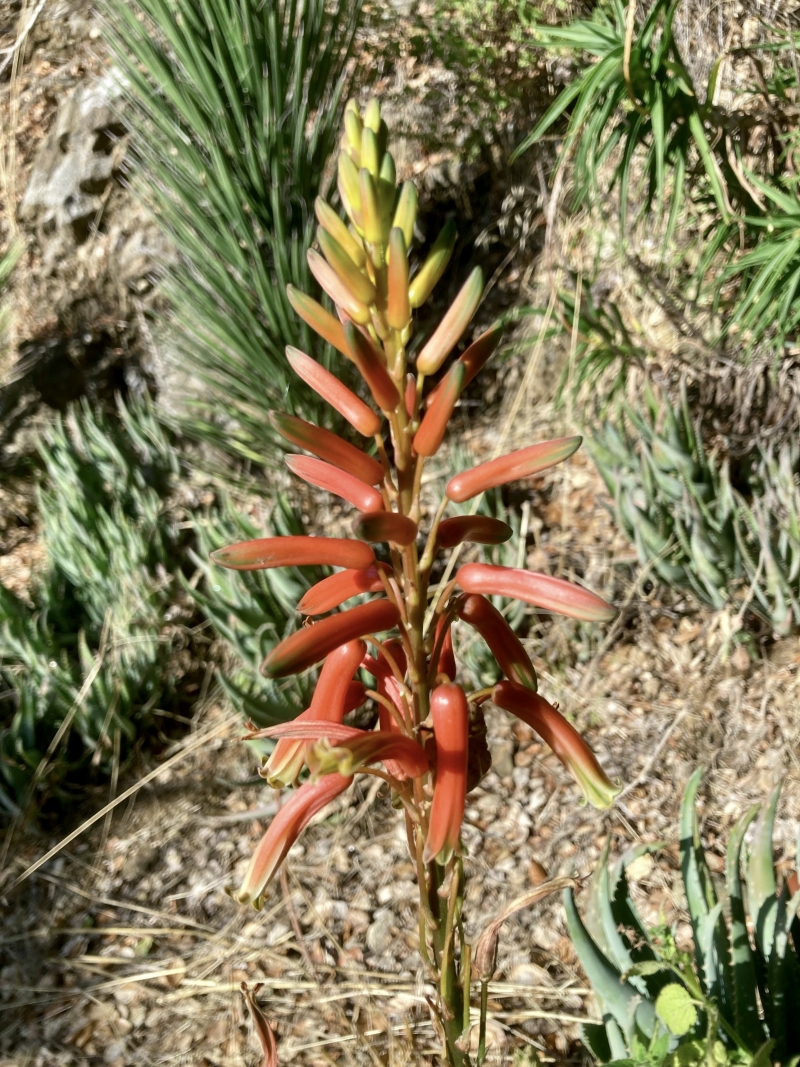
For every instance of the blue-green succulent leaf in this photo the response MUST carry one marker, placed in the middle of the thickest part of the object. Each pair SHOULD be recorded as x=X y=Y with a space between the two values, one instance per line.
x=616 y=996
x=746 y=1020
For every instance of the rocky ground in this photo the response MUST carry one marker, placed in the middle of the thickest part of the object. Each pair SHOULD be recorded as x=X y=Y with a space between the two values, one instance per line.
x=123 y=948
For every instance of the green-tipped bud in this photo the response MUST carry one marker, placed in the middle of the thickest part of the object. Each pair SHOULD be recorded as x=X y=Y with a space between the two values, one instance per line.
x=434 y=266
x=562 y=737
x=349 y=188
x=388 y=171
x=451 y=329
x=331 y=222
x=353 y=128
x=522 y=463
x=387 y=195
x=474 y=357
x=370 y=210
x=405 y=214
x=369 y=152
x=399 y=310
x=354 y=278
x=379 y=324
x=372 y=115
x=387 y=190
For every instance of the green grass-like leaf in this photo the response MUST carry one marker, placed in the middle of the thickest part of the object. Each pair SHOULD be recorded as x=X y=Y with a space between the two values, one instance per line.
x=236 y=111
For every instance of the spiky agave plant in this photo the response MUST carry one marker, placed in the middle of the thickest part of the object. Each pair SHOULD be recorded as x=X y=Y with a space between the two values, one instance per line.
x=737 y=997
x=430 y=739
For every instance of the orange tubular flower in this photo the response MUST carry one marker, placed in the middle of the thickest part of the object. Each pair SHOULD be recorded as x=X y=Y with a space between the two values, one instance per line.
x=388 y=687
x=451 y=329
x=331 y=701
x=510 y=468
x=318 y=318
x=347 y=750
x=355 y=696
x=482 y=529
x=562 y=737
x=411 y=394
x=403 y=757
x=503 y=643
x=335 y=480
x=540 y=590
x=331 y=592
x=368 y=360
x=313 y=643
x=327 y=446
x=444 y=642
x=266 y=552
x=450 y=715
x=431 y=431
x=386 y=526
x=474 y=357
x=336 y=393
x=283 y=831
x=306 y=728
x=386 y=683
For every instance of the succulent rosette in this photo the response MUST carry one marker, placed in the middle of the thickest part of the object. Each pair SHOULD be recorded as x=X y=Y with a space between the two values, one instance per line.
x=428 y=721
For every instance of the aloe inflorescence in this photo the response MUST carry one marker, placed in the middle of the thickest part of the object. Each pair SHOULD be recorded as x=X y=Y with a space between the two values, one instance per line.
x=430 y=735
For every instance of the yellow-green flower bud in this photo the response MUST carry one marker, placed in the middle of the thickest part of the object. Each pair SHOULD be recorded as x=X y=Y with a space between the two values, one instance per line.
x=434 y=266
x=405 y=214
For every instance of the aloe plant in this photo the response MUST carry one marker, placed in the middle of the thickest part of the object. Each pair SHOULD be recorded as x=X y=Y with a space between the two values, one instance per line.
x=736 y=997
x=91 y=652
x=677 y=504
x=431 y=736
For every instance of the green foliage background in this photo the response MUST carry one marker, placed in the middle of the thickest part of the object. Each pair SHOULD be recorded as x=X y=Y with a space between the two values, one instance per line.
x=236 y=111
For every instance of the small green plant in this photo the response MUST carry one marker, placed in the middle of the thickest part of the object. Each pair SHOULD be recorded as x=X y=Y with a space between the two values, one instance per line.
x=638 y=95
x=236 y=110
x=735 y=999
x=677 y=504
x=88 y=659
x=604 y=343
x=716 y=196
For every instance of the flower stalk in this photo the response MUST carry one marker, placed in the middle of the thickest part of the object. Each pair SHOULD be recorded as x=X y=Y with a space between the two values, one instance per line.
x=429 y=724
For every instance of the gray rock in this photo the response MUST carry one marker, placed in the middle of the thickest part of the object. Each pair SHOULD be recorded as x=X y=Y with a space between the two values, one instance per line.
x=74 y=166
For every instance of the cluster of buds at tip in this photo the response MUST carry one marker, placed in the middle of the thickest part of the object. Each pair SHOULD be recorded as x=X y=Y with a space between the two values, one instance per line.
x=423 y=745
